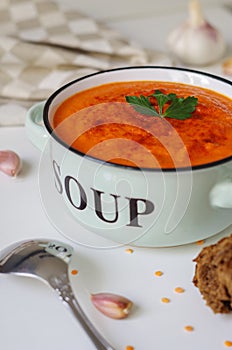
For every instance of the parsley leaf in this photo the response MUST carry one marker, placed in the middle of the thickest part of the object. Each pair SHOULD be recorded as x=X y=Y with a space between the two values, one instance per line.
x=179 y=107
x=161 y=99
x=142 y=105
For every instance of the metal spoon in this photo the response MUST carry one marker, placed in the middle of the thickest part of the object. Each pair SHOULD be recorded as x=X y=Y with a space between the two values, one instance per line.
x=48 y=261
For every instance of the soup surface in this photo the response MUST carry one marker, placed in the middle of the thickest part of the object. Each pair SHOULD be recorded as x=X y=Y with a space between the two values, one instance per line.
x=99 y=122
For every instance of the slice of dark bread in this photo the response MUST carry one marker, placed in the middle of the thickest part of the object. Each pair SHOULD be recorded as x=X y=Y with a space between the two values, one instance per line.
x=213 y=275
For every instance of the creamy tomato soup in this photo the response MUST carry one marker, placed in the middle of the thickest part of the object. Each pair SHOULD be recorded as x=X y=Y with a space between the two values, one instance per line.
x=99 y=122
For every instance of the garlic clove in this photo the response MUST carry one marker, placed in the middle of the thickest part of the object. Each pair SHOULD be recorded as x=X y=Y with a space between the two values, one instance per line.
x=10 y=163
x=196 y=42
x=112 y=305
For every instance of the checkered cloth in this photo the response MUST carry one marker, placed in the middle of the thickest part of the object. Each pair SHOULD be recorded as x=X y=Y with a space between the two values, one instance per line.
x=43 y=46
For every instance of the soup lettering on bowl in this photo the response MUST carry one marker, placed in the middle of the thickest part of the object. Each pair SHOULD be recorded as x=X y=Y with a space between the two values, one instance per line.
x=90 y=118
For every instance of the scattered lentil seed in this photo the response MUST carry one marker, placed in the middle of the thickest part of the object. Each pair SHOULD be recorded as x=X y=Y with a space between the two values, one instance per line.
x=228 y=343
x=165 y=300
x=200 y=242
x=129 y=251
x=74 y=272
x=179 y=290
x=158 y=273
x=189 y=328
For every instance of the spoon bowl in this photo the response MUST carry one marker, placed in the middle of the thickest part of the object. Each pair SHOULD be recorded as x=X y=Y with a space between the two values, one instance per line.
x=48 y=261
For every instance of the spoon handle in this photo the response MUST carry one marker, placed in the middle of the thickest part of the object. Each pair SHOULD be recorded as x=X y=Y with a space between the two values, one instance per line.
x=67 y=296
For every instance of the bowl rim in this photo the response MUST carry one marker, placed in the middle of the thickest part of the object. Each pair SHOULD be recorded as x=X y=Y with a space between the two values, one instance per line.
x=73 y=150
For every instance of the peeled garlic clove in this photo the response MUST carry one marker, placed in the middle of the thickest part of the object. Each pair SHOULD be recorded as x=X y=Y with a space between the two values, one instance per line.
x=112 y=305
x=196 y=42
x=10 y=163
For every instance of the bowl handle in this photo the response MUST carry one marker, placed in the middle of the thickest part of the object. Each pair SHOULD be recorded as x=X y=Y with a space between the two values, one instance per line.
x=221 y=195
x=35 y=128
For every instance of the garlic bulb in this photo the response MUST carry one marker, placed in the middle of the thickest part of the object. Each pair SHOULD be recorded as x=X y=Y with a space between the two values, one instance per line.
x=196 y=42
x=10 y=163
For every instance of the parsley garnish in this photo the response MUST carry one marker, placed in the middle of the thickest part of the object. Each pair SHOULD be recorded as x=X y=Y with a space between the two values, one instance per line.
x=178 y=107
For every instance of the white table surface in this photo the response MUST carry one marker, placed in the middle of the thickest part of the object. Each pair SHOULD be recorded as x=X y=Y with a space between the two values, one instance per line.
x=32 y=317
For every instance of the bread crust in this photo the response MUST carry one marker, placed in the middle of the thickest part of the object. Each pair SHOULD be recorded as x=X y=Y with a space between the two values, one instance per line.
x=213 y=275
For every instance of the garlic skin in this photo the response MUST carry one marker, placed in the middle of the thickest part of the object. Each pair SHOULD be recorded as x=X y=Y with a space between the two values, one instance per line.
x=10 y=163
x=112 y=305
x=196 y=42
